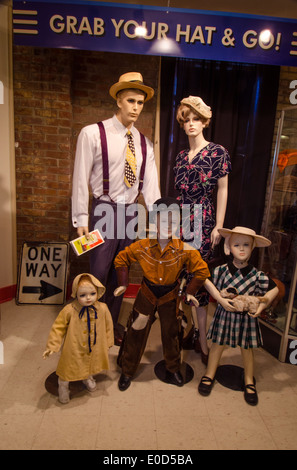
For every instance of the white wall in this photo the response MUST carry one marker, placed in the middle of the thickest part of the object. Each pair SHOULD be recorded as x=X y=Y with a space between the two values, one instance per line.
x=7 y=162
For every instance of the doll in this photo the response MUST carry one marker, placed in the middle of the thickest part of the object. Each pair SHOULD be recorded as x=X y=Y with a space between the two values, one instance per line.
x=229 y=326
x=86 y=327
x=162 y=259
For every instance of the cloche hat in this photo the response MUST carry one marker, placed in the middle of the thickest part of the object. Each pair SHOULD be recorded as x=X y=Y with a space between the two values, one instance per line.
x=198 y=105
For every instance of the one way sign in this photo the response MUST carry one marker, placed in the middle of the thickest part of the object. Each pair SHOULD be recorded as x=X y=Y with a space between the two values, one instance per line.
x=43 y=273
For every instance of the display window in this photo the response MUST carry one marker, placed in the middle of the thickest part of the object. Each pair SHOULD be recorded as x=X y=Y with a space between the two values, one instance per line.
x=281 y=227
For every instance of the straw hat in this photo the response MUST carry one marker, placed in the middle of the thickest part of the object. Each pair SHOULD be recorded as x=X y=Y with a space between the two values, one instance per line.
x=259 y=241
x=198 y=105
x=131 y=80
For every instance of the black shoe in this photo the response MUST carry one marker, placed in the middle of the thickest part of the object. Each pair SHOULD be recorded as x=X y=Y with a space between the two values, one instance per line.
x=204 y=388
x=124 y=382
x=251 y=397
x=243 y=381
x=174 y=378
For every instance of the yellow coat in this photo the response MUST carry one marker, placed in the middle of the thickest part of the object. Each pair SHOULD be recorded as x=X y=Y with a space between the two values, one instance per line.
x=76 y=361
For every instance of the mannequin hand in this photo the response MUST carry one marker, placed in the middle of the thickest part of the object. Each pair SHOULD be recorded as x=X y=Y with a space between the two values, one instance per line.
x=226 y=304
x=191 y=298
x=47 y=353
x=269 y=297
x=140 y=322
x=260 y=309
x=83 y=231
x=119 y=291
x=215 y=237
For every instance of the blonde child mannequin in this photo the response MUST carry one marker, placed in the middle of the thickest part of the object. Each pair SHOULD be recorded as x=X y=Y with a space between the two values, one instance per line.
x=86 y=327
x=233 y=328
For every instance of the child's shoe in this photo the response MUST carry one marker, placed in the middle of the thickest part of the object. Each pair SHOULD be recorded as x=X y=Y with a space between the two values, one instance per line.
x=250 y=394
x=63 y=391
x=90 y=384
x=205 y=386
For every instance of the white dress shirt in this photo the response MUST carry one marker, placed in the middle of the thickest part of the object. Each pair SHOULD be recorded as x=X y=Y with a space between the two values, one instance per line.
x=88 y=169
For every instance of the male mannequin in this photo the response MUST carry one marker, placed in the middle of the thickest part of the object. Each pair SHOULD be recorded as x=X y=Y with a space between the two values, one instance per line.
x=110 y=193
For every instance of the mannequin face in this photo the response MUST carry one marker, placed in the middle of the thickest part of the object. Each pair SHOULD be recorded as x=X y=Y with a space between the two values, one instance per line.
x=241 y=247
x=193 y=126
x=86 y=294
x=167 y=224
x=130 y=104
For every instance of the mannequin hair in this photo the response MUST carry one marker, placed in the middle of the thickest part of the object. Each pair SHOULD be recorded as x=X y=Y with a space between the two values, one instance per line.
x=183 y=112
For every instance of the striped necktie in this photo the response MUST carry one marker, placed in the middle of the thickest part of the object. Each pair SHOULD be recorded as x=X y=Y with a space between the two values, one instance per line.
x=130 y=162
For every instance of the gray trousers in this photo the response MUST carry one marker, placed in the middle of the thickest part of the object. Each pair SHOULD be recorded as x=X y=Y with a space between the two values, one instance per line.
x=111 y=220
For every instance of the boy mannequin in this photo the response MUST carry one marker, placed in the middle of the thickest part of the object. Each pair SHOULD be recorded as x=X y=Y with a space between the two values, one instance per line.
x=162 y=259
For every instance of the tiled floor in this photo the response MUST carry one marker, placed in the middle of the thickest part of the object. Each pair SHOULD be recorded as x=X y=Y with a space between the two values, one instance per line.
x=150 y=415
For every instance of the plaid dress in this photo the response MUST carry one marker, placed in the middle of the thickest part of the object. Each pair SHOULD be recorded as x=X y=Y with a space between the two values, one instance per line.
x=232 y=328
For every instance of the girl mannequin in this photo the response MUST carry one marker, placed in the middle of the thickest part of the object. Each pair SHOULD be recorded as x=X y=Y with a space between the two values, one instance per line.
x=86 y=327
x=233 y=328
x=198 y=171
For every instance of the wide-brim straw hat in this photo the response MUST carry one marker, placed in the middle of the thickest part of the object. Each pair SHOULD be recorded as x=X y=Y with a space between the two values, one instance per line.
x=259 y=241
x=198 y=105
x=130 y=80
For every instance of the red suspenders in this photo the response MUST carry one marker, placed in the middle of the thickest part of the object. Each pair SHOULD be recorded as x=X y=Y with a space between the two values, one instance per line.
x=105 y=160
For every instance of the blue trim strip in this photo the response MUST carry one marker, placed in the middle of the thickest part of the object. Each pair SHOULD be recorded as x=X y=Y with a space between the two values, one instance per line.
x=193 y=34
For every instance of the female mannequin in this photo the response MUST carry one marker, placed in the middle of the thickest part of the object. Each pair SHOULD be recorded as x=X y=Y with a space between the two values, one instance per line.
x=199 y=170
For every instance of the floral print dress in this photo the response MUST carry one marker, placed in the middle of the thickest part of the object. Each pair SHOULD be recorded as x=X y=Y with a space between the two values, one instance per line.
x=196 y=182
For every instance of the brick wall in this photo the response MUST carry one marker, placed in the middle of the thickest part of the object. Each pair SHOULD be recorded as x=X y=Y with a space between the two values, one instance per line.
x=43 y=122
x=56 y=93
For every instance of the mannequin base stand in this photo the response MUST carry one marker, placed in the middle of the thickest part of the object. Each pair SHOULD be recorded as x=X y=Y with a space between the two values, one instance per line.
x=51 y=386
x=186 y=371
x=231 y=377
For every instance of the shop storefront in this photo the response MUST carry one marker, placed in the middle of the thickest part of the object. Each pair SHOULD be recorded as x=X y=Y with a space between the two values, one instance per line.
x=66 y=53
